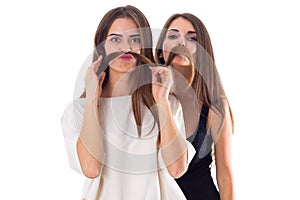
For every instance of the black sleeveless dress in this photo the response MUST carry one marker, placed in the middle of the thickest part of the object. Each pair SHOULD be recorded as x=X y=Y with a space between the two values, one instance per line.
x=197 y=182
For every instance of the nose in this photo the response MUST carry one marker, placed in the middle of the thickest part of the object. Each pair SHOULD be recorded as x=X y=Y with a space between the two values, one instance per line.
x=181 y=40
x=125 y=47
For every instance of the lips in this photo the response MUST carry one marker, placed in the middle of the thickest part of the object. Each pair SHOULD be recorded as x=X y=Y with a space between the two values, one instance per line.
x=126 y=57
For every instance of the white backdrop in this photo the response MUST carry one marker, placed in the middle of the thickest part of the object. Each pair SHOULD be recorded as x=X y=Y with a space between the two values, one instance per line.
x=44 y=43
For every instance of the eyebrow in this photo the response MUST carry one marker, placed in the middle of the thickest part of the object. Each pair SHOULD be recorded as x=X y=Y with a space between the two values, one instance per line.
x=189 y=32
x=120 y=35
x=135 y=35
x=115 y=34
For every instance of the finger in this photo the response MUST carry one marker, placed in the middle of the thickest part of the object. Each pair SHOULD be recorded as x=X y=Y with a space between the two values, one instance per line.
x=152 y=68
x=88 y=71
x=160 y=68
x=164 y=73
x=159 y=71
x=154 y=79
x=161 y=74
x=101 y=78
x=96 y=64
x=153 y=73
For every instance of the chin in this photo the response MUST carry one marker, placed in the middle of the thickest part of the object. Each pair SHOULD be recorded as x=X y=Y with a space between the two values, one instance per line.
x=178 y=60
x=123 y=67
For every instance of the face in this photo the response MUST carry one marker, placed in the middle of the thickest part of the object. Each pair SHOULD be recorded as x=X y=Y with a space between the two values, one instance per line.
x=180 y=32
x=123 y=36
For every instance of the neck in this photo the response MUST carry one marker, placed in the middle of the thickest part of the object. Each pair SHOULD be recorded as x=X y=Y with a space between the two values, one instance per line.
x=117 y=85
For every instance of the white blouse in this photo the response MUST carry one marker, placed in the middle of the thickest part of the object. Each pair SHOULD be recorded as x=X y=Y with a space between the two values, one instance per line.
x=133 y=168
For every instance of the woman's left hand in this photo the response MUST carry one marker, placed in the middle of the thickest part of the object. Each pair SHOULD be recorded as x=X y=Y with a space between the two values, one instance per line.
x=162 y=82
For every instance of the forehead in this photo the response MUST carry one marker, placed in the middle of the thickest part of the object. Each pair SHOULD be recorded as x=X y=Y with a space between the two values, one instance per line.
x=182 y=25
x=123 y=25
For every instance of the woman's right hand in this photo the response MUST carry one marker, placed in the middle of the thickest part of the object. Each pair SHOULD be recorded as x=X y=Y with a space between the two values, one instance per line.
x=93 y=83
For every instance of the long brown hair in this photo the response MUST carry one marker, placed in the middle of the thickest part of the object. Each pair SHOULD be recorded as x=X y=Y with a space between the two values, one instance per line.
x=144 y=92
x=206 y=81
x=124 y=12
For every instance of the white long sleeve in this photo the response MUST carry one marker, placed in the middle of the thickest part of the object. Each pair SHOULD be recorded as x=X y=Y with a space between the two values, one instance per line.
x=71 y=123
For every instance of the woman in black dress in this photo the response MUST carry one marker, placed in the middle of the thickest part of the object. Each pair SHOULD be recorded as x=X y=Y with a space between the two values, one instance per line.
x=184 y=45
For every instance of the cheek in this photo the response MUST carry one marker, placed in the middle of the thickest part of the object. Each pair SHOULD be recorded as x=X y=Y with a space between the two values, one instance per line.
x=110 y=48
x=167 y=46
x=166 y=55
x=138 y=51
x=136 y=48
x=192 y=47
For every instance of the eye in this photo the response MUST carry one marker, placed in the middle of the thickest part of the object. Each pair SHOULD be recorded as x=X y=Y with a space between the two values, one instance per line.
x=135 y=40
x=115 y=39
x=172 y=36
x=191 y=39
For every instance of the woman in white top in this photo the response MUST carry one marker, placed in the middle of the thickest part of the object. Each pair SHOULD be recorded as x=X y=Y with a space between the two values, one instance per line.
x=126 y=132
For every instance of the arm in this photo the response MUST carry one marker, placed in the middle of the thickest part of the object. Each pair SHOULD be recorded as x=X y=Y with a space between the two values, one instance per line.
x=81 y=129
x=172 y=144
x=223 y=152
x=90 y=142
x=79 y=123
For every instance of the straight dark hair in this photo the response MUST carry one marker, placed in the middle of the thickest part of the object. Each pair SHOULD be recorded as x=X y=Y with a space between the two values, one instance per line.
x=206 y=81
x=144 y=92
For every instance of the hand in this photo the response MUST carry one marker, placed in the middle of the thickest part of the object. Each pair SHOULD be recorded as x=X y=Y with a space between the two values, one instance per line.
x=161 y=83
x=93 y=83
